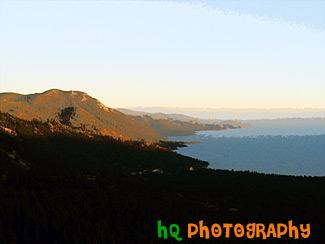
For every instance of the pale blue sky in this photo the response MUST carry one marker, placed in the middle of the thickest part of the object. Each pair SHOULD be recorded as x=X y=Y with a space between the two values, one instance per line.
x=174 y=54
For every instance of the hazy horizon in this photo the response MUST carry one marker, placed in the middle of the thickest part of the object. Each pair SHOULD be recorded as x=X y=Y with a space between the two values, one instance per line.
x=254 y=109
x=237 y=113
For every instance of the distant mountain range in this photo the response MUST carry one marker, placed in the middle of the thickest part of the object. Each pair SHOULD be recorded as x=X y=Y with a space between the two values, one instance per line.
x=173 y=116
x=84 y=113
x=211 y=114
x=179 y=124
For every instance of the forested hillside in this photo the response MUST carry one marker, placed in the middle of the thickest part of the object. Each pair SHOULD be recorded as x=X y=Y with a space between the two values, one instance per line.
x=61 y=186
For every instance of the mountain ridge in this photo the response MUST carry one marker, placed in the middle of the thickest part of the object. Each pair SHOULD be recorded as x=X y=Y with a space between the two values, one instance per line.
x=77 y=110
x=188 y=124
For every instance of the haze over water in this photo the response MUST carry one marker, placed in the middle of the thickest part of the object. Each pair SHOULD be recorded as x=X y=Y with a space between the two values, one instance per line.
x=271 y=147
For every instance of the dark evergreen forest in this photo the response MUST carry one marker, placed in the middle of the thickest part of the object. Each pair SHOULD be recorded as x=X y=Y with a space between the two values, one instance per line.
x=60 y=186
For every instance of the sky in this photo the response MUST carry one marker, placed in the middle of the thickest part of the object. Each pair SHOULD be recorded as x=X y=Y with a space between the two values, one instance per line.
x=203 y=54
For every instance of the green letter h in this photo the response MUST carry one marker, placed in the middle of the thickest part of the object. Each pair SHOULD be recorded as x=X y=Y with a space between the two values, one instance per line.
x=162 y=229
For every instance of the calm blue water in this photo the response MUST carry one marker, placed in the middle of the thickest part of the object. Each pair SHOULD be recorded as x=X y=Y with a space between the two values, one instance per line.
x=267 y=148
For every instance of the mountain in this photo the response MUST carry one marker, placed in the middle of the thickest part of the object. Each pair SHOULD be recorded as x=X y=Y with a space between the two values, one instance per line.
x=77 y=110
x=180 y=124
x=169 y=127
x=180 y=117
x=238 y=113
x=112 y=154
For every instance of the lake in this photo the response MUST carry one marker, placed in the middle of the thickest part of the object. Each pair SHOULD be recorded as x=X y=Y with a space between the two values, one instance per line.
x=285 y=147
